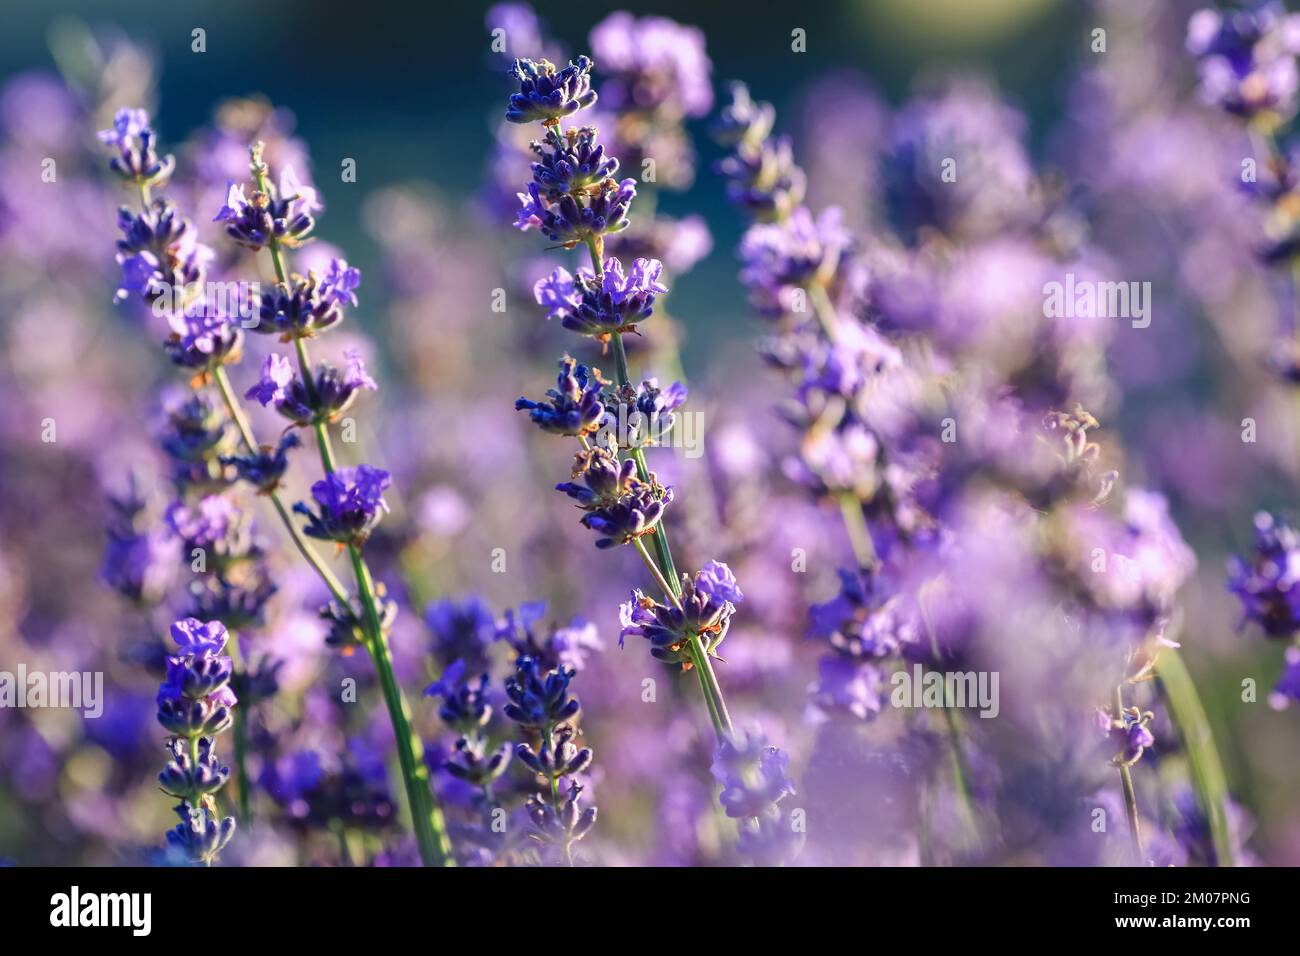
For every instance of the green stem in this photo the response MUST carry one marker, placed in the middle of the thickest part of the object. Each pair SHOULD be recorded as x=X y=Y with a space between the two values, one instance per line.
x=722 y=726
x=241 y=739
x=855 y=523
x=960 y=773
x=825 y=311
x=1208 y=777
x=1130 y=794
x=426 y=816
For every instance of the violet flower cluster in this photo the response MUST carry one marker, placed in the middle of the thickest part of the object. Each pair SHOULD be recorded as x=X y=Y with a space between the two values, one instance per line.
x=897 y=407
x=211 y=440
x=206 y=526
x=1247 y=63
x=537 y=703
x=195 y=703
x=1267 y=583
x=574 y=199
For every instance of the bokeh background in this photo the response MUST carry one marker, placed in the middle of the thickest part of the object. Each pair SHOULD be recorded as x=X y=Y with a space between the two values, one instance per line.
x=413 y=94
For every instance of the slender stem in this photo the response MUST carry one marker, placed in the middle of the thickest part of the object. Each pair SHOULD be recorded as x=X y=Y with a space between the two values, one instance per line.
x=655 y=573
x=548 y=736
x=272 y=242
x=336 y=589
x=1130 y=794
x=959 y=771
x=855 y=523
x=824 y=309
x=345 y=854
x=426 y=816
x=1208 y=777
x=241 y=740
x=712 y=690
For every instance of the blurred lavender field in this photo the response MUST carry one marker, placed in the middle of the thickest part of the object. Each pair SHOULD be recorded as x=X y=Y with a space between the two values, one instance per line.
x=979 y=351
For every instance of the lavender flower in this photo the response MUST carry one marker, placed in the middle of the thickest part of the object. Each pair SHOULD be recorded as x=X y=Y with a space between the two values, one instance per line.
x=308 y=305
x=264 y=469
x=538 y=698
x=784 y=258
x=553 y=646
x=653 y=64
x=1267 y=582
x=136 y=159
x=349 y=504
x=568 y=222
x=196 y=433
x=539 y=701
x=572 y=163
x=1287 y=688
x=761 y=174
x=160 y=255
x=560 y=826
x=560 y=758
x=575 y=407
x=330 y=393
x=462 y=631
x=707 y=602
x=213 y=524
x=619 y=506
x=643 y=416
x=547 y=94
x=752 y=774
x=602 y=306
x=203 y=341
x=140 y=561
x=477 y=764
x=194 y=705
x=1130 y=731
x=284 y=215
x=466 y=706
x=967 y=124
x=754 y=782
x=863 y=621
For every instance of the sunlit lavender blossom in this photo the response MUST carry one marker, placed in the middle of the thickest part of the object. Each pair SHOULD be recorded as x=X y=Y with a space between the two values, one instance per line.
x=619 y=506
x=284 y=214
x=349 y=503
x=547 y=94
x=136 y=160
x=614 y=303
x=574 y=407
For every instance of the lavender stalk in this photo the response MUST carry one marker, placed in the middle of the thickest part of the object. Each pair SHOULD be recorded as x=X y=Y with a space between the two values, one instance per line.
x=575 y=200
x=349 y=500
